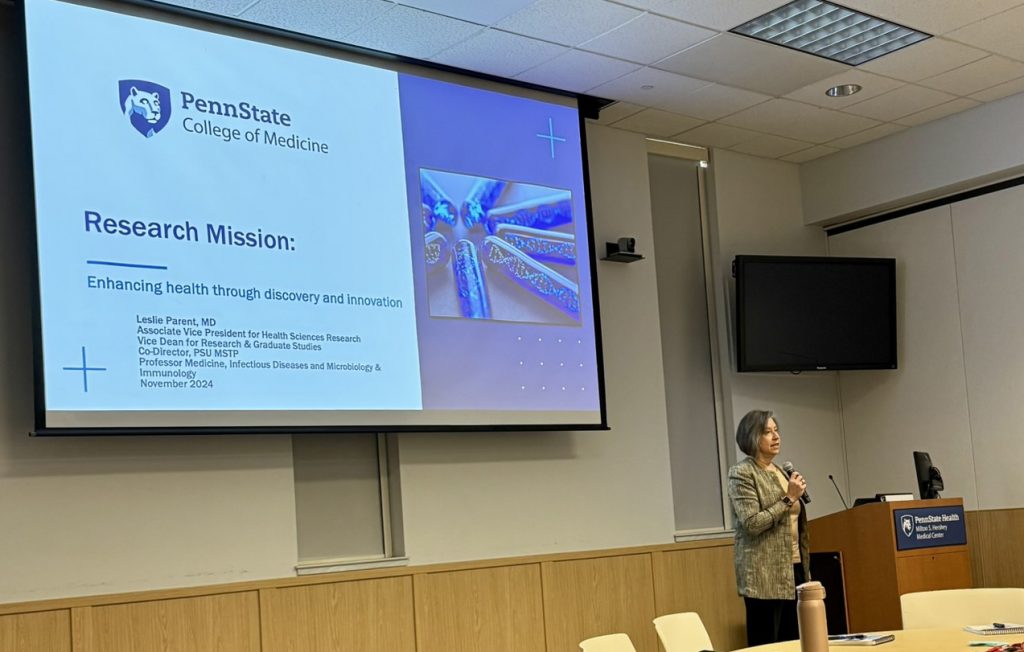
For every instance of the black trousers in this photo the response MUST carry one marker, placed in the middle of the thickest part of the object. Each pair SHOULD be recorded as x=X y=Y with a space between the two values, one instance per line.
x=771 y=621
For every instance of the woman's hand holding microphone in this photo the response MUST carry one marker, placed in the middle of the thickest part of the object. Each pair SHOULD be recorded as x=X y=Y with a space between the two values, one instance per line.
x=796 y=487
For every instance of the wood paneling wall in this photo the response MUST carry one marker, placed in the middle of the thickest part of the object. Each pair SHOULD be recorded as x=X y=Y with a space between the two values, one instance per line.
x=227 y=622
x=45 y=630
x=494 y=609
x=589 y=597
x=702 y=580
x=531 y=604
x=994 y=537
x=369 y=615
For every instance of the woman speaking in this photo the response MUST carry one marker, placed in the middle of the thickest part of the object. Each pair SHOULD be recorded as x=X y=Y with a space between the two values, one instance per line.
x=771 y=532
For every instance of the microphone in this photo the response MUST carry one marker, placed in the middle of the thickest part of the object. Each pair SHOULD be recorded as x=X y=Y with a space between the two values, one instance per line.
x=788 y=468
x=837 y=491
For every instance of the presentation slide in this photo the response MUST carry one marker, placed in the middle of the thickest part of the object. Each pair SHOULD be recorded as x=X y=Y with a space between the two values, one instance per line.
x=232 y=233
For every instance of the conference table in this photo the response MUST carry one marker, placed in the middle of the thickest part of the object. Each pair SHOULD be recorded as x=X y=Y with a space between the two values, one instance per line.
x=908 y=640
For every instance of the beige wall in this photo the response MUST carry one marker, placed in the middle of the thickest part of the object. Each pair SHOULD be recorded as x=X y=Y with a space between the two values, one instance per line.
x=95 y=515
x=988 y=233
x=100 y=516
x=106 y=515
x=103 y=515
x=85 y=516
x=470 y=496
x=757 y=211
x=959 y=271
x=922 y=405
x=949 y=155
x=959 y=274
x=956 y=394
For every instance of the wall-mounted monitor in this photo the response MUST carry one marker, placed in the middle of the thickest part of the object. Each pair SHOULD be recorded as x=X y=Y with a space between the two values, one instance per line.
x=798 y=313
x=239 y=232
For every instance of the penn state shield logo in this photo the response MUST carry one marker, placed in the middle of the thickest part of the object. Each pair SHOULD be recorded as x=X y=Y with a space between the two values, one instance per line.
x=907 y=524
x=146 y=106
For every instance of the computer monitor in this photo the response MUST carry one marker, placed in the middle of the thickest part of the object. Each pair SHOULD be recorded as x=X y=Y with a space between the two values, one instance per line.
x=929 y=479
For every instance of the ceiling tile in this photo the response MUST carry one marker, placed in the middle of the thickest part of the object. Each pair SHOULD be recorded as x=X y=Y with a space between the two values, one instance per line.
x=319 y=18
x=799 y=121
x=924 y=59
x=737 y=61
x=412 y=33
x=771 y=146
x=866 y=136
x=872 y=85
x=932 y=16
x=716 y=134
x=577 y=71
x=1000 y=91
x=715 y=101
x=977 y=76
x=219 y=7
x=617 y=111
x=810 y=154
x=900 y=102
x=716 y=14
x=647 y=39
x=1000 y=34
x=663 y=89
x=936 y=112
x=569 y=22
x=499 y=53
x=655 y=122
x=482 y=13
x=692 y=74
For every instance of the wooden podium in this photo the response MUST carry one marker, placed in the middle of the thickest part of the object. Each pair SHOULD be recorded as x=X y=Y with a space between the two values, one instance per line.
x=876 y=572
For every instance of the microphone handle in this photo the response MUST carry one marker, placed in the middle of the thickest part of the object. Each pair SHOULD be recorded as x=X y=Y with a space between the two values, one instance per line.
x=806 y=497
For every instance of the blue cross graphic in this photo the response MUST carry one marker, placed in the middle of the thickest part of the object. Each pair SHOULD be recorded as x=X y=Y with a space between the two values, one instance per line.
x=85 y=369
x=551 y=137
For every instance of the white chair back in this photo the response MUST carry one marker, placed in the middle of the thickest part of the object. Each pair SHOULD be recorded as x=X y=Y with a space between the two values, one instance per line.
x=960 y=607
x=682 y=632
x=608 y=643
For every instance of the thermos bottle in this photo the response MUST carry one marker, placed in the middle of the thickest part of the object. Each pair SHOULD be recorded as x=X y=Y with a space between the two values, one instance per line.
x=810 y=614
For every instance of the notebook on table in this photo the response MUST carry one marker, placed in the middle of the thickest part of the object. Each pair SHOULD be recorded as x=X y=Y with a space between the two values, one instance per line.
x=860 y=639
x=988 y=629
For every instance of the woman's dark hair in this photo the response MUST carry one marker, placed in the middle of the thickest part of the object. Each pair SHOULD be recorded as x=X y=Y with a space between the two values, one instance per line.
x=752 y=426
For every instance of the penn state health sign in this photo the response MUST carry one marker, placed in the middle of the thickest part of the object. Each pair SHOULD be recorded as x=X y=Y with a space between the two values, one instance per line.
x=930 y=527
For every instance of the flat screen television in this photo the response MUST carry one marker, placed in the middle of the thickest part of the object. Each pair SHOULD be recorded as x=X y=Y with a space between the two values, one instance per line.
x=800 y=313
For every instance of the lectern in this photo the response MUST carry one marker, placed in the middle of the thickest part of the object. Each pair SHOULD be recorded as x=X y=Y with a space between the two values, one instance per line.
x=892 y=548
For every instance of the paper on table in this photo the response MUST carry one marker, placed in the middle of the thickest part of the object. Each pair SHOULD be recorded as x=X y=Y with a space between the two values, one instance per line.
x=989 y=629
x=860 y=639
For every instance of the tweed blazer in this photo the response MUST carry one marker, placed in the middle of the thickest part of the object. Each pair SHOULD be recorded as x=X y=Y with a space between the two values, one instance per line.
x=763 y=551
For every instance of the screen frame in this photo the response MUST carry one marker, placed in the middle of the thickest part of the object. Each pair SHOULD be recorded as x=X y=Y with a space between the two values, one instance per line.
x=740 y=264
x=587 y=106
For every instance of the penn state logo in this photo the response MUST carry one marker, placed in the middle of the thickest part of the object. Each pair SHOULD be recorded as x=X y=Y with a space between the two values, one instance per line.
x=907 y=524
x=146 y=106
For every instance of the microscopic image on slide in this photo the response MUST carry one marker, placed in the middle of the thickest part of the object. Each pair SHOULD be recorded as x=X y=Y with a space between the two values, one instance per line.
x=498 y=250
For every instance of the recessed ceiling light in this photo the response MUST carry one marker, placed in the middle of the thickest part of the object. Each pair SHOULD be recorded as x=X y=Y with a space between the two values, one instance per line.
x=831 y=31
x=844 y=90
x=647 y=87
